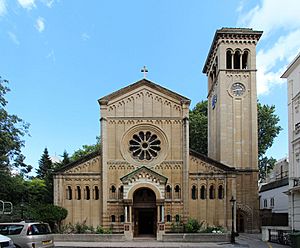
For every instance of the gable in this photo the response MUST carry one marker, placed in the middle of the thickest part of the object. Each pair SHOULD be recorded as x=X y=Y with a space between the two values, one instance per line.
x=201 y=164
x=90 y=163
x=144 y=99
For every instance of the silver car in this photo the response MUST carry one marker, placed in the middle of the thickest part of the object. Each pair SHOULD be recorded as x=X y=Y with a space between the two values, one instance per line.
x=6 y=242
x=28 y=234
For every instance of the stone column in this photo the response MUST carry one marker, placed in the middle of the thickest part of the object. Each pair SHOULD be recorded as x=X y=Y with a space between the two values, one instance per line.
x=126 y=214
x=162 y=213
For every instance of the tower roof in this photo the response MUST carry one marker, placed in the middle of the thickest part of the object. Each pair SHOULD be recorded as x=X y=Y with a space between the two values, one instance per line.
x=233 y=34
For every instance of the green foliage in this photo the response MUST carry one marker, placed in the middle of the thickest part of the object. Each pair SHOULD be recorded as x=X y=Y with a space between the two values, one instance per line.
x=198 y=127
x=268 y=130
x=192 y=226
x=213 y=229
x=85 y=150
x=12 y=130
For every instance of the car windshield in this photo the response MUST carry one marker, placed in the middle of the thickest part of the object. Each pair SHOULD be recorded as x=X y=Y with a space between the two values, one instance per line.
x=38 y=229
x=10 y=229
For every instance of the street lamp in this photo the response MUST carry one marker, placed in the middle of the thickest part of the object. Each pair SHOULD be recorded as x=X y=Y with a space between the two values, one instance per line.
x=232 y=239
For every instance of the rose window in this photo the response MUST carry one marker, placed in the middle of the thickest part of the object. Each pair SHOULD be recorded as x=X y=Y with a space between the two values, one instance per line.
x=144 y=146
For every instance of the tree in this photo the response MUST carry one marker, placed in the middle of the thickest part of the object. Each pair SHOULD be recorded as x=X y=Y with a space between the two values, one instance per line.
x=198 y=127
x=86 y=149
x=12 y=130
x=45 y=165
x=268 y=130
x=66 y=160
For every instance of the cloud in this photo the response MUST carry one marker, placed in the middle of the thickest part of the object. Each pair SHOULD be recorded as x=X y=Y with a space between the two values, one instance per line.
x=280 y=21
x=40 y=24
x=3 y=9
x=48 y=3
x=13 y=37
x=85 y=36
x=27 y=4
x=51 y=56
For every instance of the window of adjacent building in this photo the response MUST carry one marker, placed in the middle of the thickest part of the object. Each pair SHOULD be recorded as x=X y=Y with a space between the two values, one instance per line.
x=169 y=219
x=113 y=218
x=168 y=192
x=69 y=193
x=177 y=192
x=122 y=218
x=220 y=192
x=265 y=203
x=194 y=192
x=96 y=193
x=212 y=192
x=87 y=193
x=78 y=191
x=272 y=202
x=202 y=192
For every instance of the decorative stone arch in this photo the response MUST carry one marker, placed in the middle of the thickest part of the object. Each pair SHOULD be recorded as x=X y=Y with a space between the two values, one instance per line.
x=154 y=188
x=244 y=218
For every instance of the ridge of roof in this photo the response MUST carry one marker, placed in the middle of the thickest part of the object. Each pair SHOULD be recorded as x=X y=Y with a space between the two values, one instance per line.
x=105 y=99
x=275 y=184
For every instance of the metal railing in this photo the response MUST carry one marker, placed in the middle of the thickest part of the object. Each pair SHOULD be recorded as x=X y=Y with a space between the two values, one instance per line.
x=280 y=236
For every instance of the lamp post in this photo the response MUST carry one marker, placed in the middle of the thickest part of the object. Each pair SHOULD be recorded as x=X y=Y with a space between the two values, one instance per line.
x=232 y=239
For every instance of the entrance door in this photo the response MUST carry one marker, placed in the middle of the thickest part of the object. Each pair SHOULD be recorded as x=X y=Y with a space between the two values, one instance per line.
x=144 y=204
x=240 y=222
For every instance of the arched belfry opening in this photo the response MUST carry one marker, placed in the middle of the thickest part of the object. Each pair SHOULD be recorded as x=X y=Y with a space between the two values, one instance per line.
x=144 y=212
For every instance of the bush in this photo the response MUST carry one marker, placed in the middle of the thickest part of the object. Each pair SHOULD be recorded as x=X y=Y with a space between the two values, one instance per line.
x=213 y=229
x=192 y=226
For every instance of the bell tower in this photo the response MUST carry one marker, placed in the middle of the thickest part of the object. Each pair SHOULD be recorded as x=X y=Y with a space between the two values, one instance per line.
x=232 y=102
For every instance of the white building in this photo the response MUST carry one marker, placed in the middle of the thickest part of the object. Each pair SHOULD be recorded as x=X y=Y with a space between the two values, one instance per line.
x=292 y=74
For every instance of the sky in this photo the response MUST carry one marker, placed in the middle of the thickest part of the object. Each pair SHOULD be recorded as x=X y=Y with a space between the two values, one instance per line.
x=61 y=56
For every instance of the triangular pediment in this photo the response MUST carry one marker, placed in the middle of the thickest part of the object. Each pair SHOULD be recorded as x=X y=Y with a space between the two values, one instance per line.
x=139 y=84
x=144 y=173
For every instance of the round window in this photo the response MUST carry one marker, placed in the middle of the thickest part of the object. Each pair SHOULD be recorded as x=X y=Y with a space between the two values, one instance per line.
x=144 y=145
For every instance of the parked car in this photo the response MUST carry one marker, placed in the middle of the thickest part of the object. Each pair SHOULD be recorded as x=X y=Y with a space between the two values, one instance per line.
x=28 y=234
x=6 y=242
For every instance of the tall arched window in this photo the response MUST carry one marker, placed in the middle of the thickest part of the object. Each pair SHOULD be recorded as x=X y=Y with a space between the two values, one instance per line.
x=245 y=60
x=203 y=192
x=113 y=192
x=194 y=192
x=168 y=192
x=78 y=189
x=228 y=59
x=121 y=191
x=113 y=218
x=177 y=192
x=122 y=218
x=69 y=193
x=87 y=193
x=212 y=192
x=96 y=193
x=177 y=218
x=237 y=60
x=169 y=219
x=220 y=192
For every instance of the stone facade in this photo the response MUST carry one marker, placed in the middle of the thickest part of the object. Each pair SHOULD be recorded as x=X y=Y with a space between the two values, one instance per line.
x=292 y=74
x=146 y=180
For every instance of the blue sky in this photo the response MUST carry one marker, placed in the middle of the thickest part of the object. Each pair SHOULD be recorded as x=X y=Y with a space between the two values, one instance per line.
x=61 y=56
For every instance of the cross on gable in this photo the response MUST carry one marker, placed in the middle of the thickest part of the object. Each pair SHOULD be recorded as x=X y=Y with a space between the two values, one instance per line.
x=145 y=71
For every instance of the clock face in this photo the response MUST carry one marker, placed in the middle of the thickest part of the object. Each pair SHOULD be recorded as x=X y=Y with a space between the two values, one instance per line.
x=237 y=89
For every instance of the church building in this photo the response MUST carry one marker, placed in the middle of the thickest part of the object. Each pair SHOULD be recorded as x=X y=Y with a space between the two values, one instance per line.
x=146 y=179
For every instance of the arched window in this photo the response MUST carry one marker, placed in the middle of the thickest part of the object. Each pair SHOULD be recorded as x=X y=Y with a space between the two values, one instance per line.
x=121 y=191
x=177 y=218
x=237 y=60
x=96 y=193
x=113 y=192
x=220 y=192
x=113 y=218
x=211 y=192
x=169 y=219
x=245 y=60
x=78 y=189
x=122 y=218
x=194 y=192
x=177 y=192
x=228 y=59
x=203 y=192
x=168 y=192
x=69 y=193
x=87 y=193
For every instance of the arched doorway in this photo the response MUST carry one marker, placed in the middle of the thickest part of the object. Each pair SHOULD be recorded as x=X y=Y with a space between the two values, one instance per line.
x=144 y=212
